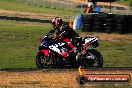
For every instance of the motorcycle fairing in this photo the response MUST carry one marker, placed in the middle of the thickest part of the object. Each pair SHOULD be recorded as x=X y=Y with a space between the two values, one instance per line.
x=45 y=51
x=59 y=47
x=64 y=54
x=68 y=42
x=89 y=40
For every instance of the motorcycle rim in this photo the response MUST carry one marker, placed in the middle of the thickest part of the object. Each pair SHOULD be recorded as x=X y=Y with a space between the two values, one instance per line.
x=43 y=61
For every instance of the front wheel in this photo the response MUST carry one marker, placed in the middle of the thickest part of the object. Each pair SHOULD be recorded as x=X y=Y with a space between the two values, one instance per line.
x=96 y=61
x=43 y=61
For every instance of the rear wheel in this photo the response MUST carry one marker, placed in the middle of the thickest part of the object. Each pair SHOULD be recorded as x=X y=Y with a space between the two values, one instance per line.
x=43 y=61
x=96 y=61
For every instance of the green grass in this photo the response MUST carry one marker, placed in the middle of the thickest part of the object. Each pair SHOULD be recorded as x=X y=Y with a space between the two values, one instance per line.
x=19 y=43
x=19 y=46
x=126 y=2
x=11 y=5
x=116 y=54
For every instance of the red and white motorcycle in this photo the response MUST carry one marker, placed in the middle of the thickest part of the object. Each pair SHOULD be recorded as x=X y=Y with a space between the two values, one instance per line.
x=59 y=52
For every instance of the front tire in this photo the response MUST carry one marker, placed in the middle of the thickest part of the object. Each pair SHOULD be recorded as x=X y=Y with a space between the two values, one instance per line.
x=43 y=61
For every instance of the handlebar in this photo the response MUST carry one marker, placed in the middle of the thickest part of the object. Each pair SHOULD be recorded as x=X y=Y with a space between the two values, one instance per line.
x=58 y=37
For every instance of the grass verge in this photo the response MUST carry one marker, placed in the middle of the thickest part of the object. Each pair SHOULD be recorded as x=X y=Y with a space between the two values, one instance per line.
x=11 y=5
x=19 y=45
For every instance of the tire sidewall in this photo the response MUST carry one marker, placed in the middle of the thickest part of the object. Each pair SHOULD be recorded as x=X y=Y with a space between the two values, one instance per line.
x=98 y=55
x=39 y=65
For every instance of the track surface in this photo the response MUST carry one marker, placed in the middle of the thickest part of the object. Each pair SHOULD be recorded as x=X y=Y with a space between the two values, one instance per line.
x=38 y=78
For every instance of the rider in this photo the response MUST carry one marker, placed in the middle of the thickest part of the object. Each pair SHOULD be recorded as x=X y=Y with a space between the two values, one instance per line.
x=90 y=6
x=66 y=31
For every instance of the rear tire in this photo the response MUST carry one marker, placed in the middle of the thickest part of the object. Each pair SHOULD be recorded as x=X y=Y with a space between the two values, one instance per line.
x=97 y=61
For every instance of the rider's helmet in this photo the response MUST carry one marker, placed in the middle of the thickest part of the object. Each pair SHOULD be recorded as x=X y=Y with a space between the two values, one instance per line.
x=89 y=0
x=57 y=22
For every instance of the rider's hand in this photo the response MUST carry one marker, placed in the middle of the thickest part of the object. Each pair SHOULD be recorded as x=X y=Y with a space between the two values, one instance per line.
x=55 y=37
x=58 y=37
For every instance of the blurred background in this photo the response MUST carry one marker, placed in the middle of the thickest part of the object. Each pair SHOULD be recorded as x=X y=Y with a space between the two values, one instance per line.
x=79 y=5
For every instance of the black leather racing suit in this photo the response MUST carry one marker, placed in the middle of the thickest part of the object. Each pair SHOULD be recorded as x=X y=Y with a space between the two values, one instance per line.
x=69 y=33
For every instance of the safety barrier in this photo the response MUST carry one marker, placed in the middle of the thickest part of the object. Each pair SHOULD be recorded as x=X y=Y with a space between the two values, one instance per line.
x=107 y=22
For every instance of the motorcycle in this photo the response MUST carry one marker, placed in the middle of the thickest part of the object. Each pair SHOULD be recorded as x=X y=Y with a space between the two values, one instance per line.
x=59 y=52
